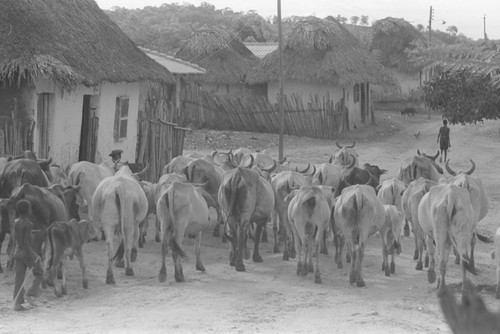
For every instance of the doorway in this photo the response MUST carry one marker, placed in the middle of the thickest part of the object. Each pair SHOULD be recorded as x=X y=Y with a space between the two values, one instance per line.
x=89 y=129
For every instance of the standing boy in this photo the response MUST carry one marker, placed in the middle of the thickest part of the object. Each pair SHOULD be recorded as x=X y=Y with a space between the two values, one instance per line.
x=444 y=140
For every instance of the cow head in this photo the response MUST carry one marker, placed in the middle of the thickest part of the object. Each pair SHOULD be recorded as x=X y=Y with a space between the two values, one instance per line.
x=86 y=230
x=452 y=172
x=374 y=171
x=432 y=158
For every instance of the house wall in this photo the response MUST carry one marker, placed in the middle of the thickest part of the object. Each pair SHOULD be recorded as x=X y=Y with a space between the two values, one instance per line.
x=305 y=89
x=225 y=89
x=65 y=120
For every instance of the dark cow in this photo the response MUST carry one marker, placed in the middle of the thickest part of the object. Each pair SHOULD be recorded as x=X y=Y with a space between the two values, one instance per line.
x=369 y=175
x=245 y=197
x=66 y=239
x=20 y=171
x=67 y=194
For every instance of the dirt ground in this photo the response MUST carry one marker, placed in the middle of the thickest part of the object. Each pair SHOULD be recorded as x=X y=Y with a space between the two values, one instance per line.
x=269 y=297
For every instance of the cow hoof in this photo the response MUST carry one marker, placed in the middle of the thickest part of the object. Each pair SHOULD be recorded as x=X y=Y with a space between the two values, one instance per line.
x=393 y=268
x=129 y=272
x=415 y=255
x=257 y=258
x=179 y=278
x=240 y=267
x=64 y=290
x=431 y=276
x=85 y=284
x=426 y=264
x=419 y=266
x=324 y=250
x=58 y=294
x=103 y=236
x=200 y=267
x=348 y=258
x=95 y=239
x=293 y=253
x=133 y=254
x=340 y=265
x=303 y=269
x=310 y=267
x=110 y=280
x=317 y=279
x=387 y=273
x=157 y=238
x=285 y=257
x=120 y=264
x=299 y=268
x=162 y=276
x=264 y=238
x=383 y=266
x=216 y=232
x=224 y=238
x=1 y=270
x=275 y=250
x=360 y=283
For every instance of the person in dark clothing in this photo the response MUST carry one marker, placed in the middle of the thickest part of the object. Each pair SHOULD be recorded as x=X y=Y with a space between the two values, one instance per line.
x=24 y=256
x=443 y=139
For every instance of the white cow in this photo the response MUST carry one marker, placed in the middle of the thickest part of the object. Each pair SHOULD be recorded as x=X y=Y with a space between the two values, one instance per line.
x=120 y=204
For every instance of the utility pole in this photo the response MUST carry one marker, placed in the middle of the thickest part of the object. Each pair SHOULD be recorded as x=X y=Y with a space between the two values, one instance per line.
x=431 y=14
x=281 y=98
x=484 y=25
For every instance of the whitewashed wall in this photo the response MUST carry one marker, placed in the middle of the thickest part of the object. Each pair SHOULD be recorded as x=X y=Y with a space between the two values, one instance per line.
x=65 y=120
x=305 y=89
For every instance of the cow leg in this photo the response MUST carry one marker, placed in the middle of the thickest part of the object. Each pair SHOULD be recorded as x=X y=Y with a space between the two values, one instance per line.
x=419 y=247
x=197 y=246
x=157 y=230
x=431 y=274
x=406 y=229
x=256 y=256
x=143 y=227
x=64 y=290
x=339 y=242
x=353 y=275
x=79 y=255
x=109 y=243
x=274 y=218
x=162 y=277
x=472 y=245
x=179 y=275
x=310 y=246
x=445 y=254
x=136 y=239
x=241 y=237
x=324 y=243
x=393 y=264
x=264 y=232
x=2 y=238
x=298 y=247
x=497 y=296
x=360 y=255
x=216 y=232
x=317 y=275
x=385 y=260
x=457 y=257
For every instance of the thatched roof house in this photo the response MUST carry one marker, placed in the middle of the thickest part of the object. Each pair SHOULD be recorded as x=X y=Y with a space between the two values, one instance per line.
x=66 y=66
x=71 y=42
x=226 y=59
x=320 y=50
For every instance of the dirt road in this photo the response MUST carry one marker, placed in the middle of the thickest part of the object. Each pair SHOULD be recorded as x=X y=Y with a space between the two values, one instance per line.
x=269 y=297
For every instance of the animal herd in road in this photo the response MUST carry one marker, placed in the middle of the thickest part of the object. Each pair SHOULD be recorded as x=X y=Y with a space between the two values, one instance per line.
x=248 y=189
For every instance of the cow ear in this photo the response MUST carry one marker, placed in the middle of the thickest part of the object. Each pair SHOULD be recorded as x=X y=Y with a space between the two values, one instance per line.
x=378 y=187
x=383 y=171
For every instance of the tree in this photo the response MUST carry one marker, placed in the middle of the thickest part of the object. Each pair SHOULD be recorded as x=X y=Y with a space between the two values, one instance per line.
x=420 y=27
x=452 y=30
x=364 y=20
x=463 y=96
x=354 y=20
x=341 y=19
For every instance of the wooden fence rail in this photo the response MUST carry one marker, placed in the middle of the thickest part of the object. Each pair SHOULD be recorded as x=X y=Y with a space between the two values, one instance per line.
x=16 y=135
x=319 y=117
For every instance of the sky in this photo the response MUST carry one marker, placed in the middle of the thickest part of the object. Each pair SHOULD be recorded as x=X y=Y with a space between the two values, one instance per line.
x=467 y=16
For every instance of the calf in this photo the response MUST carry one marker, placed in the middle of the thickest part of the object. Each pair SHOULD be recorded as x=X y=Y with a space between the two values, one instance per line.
x=390 y=233
x=63 y=240
x=495 y=254
x=359 y=214
x=309 y=215
x=181 y=209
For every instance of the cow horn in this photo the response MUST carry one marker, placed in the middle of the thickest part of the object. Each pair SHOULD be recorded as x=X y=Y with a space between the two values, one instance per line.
x=305 y=170
x=273 y=167
x=353 y=144
x=251 y=161
x=418 y=152
x=435 y=157
x=214 y=154
x=331 y=159
x=448 y=168
x=314 y=170
x=142 y=171
x=338 y=145
x=17 y=157
x=282 y=161
x=471 y=170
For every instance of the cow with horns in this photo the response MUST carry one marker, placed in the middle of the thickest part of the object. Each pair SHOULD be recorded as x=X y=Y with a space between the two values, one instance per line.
x=345 y=155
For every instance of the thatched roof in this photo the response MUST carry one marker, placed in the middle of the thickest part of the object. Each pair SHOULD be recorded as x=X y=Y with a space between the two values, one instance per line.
x=226 y=59
x=364 y=34
x=70 y=41
x=325 y=51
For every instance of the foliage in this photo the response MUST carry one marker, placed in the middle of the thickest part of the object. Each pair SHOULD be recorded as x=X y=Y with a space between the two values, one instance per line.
x=463 y=96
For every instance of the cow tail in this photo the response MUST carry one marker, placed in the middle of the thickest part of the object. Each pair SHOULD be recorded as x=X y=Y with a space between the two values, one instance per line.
x=176 y=248
x=121 y=213
x=357 y=206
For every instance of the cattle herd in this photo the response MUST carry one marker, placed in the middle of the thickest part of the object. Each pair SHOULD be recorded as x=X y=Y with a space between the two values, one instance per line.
x=247 y=189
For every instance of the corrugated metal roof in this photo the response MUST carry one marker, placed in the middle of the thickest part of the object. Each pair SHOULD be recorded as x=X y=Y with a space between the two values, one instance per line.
x=261 y=49
x=174 y=65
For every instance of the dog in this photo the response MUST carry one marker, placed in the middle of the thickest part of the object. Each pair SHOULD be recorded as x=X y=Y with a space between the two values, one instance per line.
x=410 y=112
